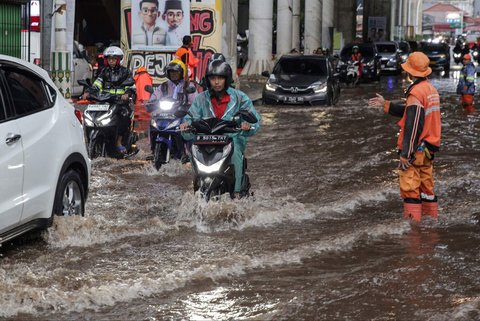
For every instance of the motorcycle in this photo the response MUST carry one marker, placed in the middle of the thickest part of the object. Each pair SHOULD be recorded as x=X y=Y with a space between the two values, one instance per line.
x=352 y=73
x=101 y=119
x=349 y=72
x=212 y=151
x=164 y=133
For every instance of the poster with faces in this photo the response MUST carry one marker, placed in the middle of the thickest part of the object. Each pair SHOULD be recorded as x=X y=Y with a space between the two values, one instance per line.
x=159 y=24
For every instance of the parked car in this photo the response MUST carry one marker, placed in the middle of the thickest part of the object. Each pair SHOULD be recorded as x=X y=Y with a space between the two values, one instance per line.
x=44 y=168
x=389 y=56
x=438 y=53
x=82 y=69
x=405 y=50
x=371 y=59
x=302 y=79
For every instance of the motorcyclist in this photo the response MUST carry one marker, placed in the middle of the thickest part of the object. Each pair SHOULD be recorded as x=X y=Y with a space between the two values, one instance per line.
x=174 y=87
x=222 y=101
x=112 y=79
x=466 y=84
x=357 y=56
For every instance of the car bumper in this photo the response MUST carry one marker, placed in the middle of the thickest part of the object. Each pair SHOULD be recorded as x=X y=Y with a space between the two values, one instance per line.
x=292 y=99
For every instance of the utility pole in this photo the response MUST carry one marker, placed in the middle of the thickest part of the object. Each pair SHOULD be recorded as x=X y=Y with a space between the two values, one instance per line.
x=46 y=9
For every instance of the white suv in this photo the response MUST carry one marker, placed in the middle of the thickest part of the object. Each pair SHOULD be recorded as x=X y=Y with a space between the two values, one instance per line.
x=44 y=167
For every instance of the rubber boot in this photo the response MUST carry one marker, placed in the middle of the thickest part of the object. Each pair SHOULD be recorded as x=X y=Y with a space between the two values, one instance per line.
x=430 y=208
x=412 y=211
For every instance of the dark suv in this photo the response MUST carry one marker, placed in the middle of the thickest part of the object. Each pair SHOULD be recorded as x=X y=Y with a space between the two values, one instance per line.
x=371 y=59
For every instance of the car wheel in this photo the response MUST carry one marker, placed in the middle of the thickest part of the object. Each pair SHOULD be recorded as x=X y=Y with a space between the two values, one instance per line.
x=329 y=98
x=70 y=195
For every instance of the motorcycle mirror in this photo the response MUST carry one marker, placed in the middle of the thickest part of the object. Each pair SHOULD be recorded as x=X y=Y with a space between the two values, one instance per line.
x=180 y=113
x=265 y=74
x=190 y=90
x=84 y=83
x=247 y=116
x=148 y=89
x=128 y=82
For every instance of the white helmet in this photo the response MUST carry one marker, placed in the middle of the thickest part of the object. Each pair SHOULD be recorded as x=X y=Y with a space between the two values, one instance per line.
x=113 y=51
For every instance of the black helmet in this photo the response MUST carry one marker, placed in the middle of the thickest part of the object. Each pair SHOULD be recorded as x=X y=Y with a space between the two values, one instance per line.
x=219 y=67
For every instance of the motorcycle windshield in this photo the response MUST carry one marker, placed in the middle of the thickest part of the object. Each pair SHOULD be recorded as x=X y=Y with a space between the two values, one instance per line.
x=213 y=126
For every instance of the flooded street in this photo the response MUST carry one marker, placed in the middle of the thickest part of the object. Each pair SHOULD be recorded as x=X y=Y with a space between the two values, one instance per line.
x=322 y=239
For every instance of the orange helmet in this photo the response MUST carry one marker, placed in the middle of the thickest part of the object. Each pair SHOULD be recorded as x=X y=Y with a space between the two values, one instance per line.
x=467 y=57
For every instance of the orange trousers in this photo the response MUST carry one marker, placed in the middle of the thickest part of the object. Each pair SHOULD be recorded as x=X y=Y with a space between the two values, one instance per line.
x=418 y=178
x=466 y=101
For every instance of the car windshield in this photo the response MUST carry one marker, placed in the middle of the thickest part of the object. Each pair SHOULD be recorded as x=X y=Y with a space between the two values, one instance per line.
x=301 y=66
x=385 y=48
x=432 y=47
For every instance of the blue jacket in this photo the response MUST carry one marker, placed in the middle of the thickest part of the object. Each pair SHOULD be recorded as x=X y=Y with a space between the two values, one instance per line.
x=202 y=108
x=467 y=78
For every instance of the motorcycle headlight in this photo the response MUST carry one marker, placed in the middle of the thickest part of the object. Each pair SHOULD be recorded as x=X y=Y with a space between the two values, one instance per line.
x=153 y=123
x=456 y=55
x=270 y=86
x=173 y=124
x=88 y=122
x=370 y=63
x=106 y=121
x=166 y=105
x=107 y=115
x=475 y=53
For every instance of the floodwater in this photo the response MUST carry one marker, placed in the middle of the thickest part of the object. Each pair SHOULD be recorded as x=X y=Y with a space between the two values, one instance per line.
x=322 y=239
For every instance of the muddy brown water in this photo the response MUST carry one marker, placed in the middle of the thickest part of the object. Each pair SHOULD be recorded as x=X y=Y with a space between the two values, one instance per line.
x=322 y=238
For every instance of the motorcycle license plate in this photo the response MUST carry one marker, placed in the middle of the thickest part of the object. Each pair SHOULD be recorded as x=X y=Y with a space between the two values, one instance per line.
x=211 y=139
x=97 y=107
x=294 y=100
x=164 y=116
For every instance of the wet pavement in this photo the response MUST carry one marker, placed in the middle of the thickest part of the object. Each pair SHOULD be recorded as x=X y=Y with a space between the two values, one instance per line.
x=322 y=238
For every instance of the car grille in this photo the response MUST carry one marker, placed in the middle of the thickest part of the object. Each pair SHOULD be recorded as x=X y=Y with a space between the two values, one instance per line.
x=294 y=90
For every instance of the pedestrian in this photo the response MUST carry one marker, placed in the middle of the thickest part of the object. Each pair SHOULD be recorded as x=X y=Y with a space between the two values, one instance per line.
x=466 y=84
x=419 y=138
x=185 y=54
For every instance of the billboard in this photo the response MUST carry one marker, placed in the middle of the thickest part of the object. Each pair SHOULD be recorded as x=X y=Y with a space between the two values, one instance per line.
x=204 y=25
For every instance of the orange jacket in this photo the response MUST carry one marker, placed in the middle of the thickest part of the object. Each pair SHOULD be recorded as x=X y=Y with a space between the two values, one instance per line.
x=421 y=119
x=187 y=57
x=142 y=78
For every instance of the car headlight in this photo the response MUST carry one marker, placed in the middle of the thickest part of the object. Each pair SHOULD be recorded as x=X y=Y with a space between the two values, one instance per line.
x=321 y=88
x=475 y=53
x=442 y=56
x=270 y=86
x=166 y=105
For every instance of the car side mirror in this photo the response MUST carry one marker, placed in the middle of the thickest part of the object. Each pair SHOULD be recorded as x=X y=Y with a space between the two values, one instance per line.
x=265 y=74
x=247 y=115
x=148 y=89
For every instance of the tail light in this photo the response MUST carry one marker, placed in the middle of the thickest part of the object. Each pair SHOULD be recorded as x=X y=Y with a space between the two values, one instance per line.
x=79 y=115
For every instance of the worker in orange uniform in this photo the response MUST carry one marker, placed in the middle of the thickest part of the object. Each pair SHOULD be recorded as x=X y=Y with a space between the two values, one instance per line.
x=142 y=78
x=466 y=84
x=419 y=139
x=185 y=54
